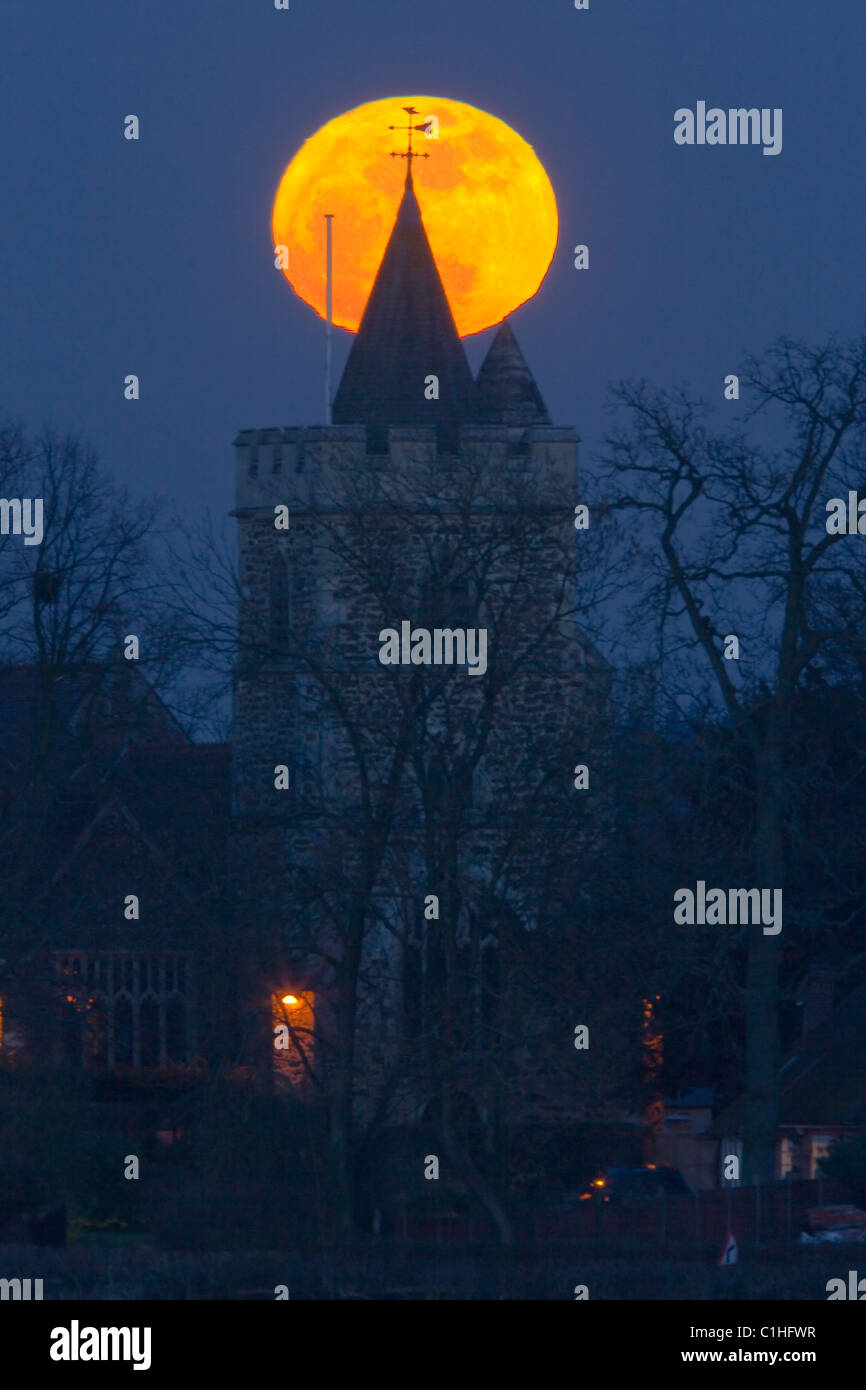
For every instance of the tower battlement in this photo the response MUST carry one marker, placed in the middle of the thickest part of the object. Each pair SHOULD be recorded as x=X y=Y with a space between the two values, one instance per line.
x=305 y=468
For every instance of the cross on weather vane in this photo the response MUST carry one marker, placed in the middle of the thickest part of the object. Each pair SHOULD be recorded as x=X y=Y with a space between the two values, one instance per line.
x=409 y=154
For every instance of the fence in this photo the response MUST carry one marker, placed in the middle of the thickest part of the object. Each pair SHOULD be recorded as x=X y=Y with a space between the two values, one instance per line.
x=756 y=1216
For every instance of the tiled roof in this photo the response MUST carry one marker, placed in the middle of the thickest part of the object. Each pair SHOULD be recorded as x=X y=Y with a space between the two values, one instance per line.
x=115 y=742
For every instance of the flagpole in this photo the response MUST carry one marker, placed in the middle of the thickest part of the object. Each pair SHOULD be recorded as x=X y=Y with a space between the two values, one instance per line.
x=329 y=306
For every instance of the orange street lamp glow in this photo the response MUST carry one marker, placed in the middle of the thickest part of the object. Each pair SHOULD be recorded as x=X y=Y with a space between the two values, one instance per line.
x=290 y=999
x=488 y=208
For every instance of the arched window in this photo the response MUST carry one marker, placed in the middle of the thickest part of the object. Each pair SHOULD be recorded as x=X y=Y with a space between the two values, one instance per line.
x=459 y=603
x=123 y=1028
x=97 y=1033
x=279 y=602
x=71 y=1031
x=490 y=982
x=413 y=987
x=150 y=1031
x=137 y=1016
x=175 y=1029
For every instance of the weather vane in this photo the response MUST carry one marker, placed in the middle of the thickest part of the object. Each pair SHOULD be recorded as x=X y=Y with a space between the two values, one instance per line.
x=409 y=153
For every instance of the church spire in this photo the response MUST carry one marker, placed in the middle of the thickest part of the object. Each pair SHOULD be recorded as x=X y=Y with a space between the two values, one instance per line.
x=508 y=394
x=407 y=334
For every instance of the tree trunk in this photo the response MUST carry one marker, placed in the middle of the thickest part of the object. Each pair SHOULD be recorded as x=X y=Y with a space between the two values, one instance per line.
x=761 y=1118
x=343 y=1224
x=459 y=1158
x=341 y=1141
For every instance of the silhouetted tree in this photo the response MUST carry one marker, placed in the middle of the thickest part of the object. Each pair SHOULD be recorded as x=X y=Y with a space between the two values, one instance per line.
x=730 y=538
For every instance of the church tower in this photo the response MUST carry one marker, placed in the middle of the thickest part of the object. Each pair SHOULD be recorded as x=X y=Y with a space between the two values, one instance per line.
x=384 y=422
x=424 y=469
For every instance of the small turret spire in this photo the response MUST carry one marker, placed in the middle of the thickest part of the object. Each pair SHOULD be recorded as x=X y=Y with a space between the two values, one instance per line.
x=508 y=394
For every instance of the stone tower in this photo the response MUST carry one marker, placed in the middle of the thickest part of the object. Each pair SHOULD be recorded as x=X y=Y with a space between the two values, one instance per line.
x=406 y=479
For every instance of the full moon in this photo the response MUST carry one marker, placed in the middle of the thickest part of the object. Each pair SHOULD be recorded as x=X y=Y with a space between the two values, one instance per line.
x=488 y=208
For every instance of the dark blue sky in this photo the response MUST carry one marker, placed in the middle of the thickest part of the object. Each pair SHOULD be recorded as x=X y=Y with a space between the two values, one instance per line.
x=155 y=257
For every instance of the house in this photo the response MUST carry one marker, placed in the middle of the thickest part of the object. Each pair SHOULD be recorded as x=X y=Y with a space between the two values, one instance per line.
x=822 y=1094
x=823 y=1098
x=115 y=826
x=682 y=1140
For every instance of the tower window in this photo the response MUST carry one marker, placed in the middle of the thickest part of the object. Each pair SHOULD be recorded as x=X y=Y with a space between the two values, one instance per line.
x=279 y=602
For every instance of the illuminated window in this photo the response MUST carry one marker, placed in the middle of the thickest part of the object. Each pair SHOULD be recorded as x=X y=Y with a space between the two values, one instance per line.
x=125 y=1009
x=819 y=1148
x=293 y=1030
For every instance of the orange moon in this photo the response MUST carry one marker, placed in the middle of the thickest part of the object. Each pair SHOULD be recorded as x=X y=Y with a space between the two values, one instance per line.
x=488 y=208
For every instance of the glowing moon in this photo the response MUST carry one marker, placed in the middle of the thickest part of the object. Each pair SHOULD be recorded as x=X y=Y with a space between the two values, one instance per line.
x=488 y=208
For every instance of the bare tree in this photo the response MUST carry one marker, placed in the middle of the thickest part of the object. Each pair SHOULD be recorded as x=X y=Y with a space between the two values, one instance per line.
x=66 y=603
x=418 y=781
x=732 y=540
